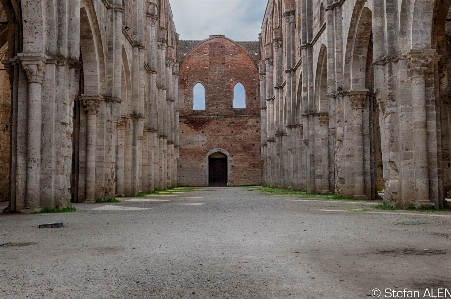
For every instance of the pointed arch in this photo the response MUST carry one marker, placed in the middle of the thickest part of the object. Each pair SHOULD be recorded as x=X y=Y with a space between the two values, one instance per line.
x=359 y=37
x=321 y=100
x=90 y=40
x=126 y=84
x=239 y=96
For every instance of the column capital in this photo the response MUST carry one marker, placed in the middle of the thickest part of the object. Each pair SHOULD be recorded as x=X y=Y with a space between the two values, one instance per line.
x=35 y=70
x=161 y=46
x=269 y=62
x=91 y=104
x=121 y=123
x=358 y=98
x=419 y=61
x=323 y=119
x=301 y=130
x=277 y=43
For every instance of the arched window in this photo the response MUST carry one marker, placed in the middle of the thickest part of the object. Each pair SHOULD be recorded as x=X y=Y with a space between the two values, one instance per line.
x=199 y=97
x=239 y=96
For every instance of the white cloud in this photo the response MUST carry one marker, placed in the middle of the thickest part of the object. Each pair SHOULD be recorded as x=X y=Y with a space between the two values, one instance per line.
x=239 y=20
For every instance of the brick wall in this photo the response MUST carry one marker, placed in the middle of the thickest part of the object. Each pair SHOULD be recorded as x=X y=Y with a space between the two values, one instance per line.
x=219 y=64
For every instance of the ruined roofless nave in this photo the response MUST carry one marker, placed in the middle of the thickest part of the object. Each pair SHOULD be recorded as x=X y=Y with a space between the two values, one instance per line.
x=345 y=97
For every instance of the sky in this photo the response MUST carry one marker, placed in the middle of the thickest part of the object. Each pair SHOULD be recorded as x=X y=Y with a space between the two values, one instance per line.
x=239 y=20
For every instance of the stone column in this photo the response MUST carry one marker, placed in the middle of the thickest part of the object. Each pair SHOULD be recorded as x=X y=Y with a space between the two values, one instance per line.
x=91 y=105
x=418 y=63
x=323 y=184
x=120 y=157
x=35 y=71
x=358 y=99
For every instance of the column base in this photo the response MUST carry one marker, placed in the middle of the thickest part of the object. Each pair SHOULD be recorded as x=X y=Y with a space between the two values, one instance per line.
x=447 y=203
x=31 y=211
x=360 y=197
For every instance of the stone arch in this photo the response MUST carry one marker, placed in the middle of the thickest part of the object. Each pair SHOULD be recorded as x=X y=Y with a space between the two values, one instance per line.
x=126 y=85
x=405 y=26
x=360 y=112
x=10 y=44
x=441 y=37
x=299 y=100
x=86 y=109
x=359 y=37
x=423 y=25
x=91 y=51
x=321 y=100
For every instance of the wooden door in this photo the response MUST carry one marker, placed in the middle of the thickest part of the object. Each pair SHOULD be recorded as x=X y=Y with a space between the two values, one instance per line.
x=217 y=172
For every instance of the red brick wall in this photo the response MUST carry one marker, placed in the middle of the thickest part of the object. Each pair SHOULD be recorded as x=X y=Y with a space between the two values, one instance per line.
x=219 y=64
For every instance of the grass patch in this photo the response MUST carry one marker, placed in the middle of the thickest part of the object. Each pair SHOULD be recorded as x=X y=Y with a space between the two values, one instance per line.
x=301 y=194
x=107 y=200
x=166 y=191
x=68 y=209
x=385 y=207
x=359 y=210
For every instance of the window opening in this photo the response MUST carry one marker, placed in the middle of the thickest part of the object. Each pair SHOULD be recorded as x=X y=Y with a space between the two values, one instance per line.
x=199 y=97
x=239 y=96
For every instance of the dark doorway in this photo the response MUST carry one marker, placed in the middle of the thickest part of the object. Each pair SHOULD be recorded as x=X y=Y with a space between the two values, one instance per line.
x=217 y=170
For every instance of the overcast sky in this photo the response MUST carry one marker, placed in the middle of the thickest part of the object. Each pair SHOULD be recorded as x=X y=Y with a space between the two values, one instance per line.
x=238 y=20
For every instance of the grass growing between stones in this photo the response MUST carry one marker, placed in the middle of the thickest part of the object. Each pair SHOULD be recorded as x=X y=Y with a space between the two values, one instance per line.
x=385 y=207
x=301 y=194
x=166 y=191
x=107 y=200
x=68 y=209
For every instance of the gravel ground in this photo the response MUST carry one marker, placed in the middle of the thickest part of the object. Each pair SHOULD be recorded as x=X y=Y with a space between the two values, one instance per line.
x=224 y=243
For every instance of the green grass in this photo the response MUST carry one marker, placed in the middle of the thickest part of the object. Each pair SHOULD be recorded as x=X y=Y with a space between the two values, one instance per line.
x=107 y=200
x=410 y=208
x=359 y=210
x=300 y=193
x=166 y=191
x=68 y=209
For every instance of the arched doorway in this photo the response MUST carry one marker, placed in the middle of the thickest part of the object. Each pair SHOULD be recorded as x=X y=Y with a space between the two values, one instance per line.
x=217 y=170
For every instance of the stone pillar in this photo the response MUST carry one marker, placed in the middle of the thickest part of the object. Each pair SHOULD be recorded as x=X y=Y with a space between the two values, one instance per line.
x=358 y=99
x=323 y=184
x=35 y=71
x=418 y=64
x=120 y=157
x=91 y=105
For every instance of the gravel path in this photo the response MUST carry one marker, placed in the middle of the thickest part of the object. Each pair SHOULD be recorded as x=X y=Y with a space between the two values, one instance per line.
x=224 y=243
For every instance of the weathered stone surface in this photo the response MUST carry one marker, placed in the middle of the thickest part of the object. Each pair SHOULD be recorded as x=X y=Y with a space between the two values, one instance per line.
x=383 y=86
x=89 y=84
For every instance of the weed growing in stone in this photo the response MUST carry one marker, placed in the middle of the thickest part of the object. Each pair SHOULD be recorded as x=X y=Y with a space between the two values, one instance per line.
x=301 y=194
x=107 y=200
x=166 y=191
x=68 y=209
x=411 y=208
